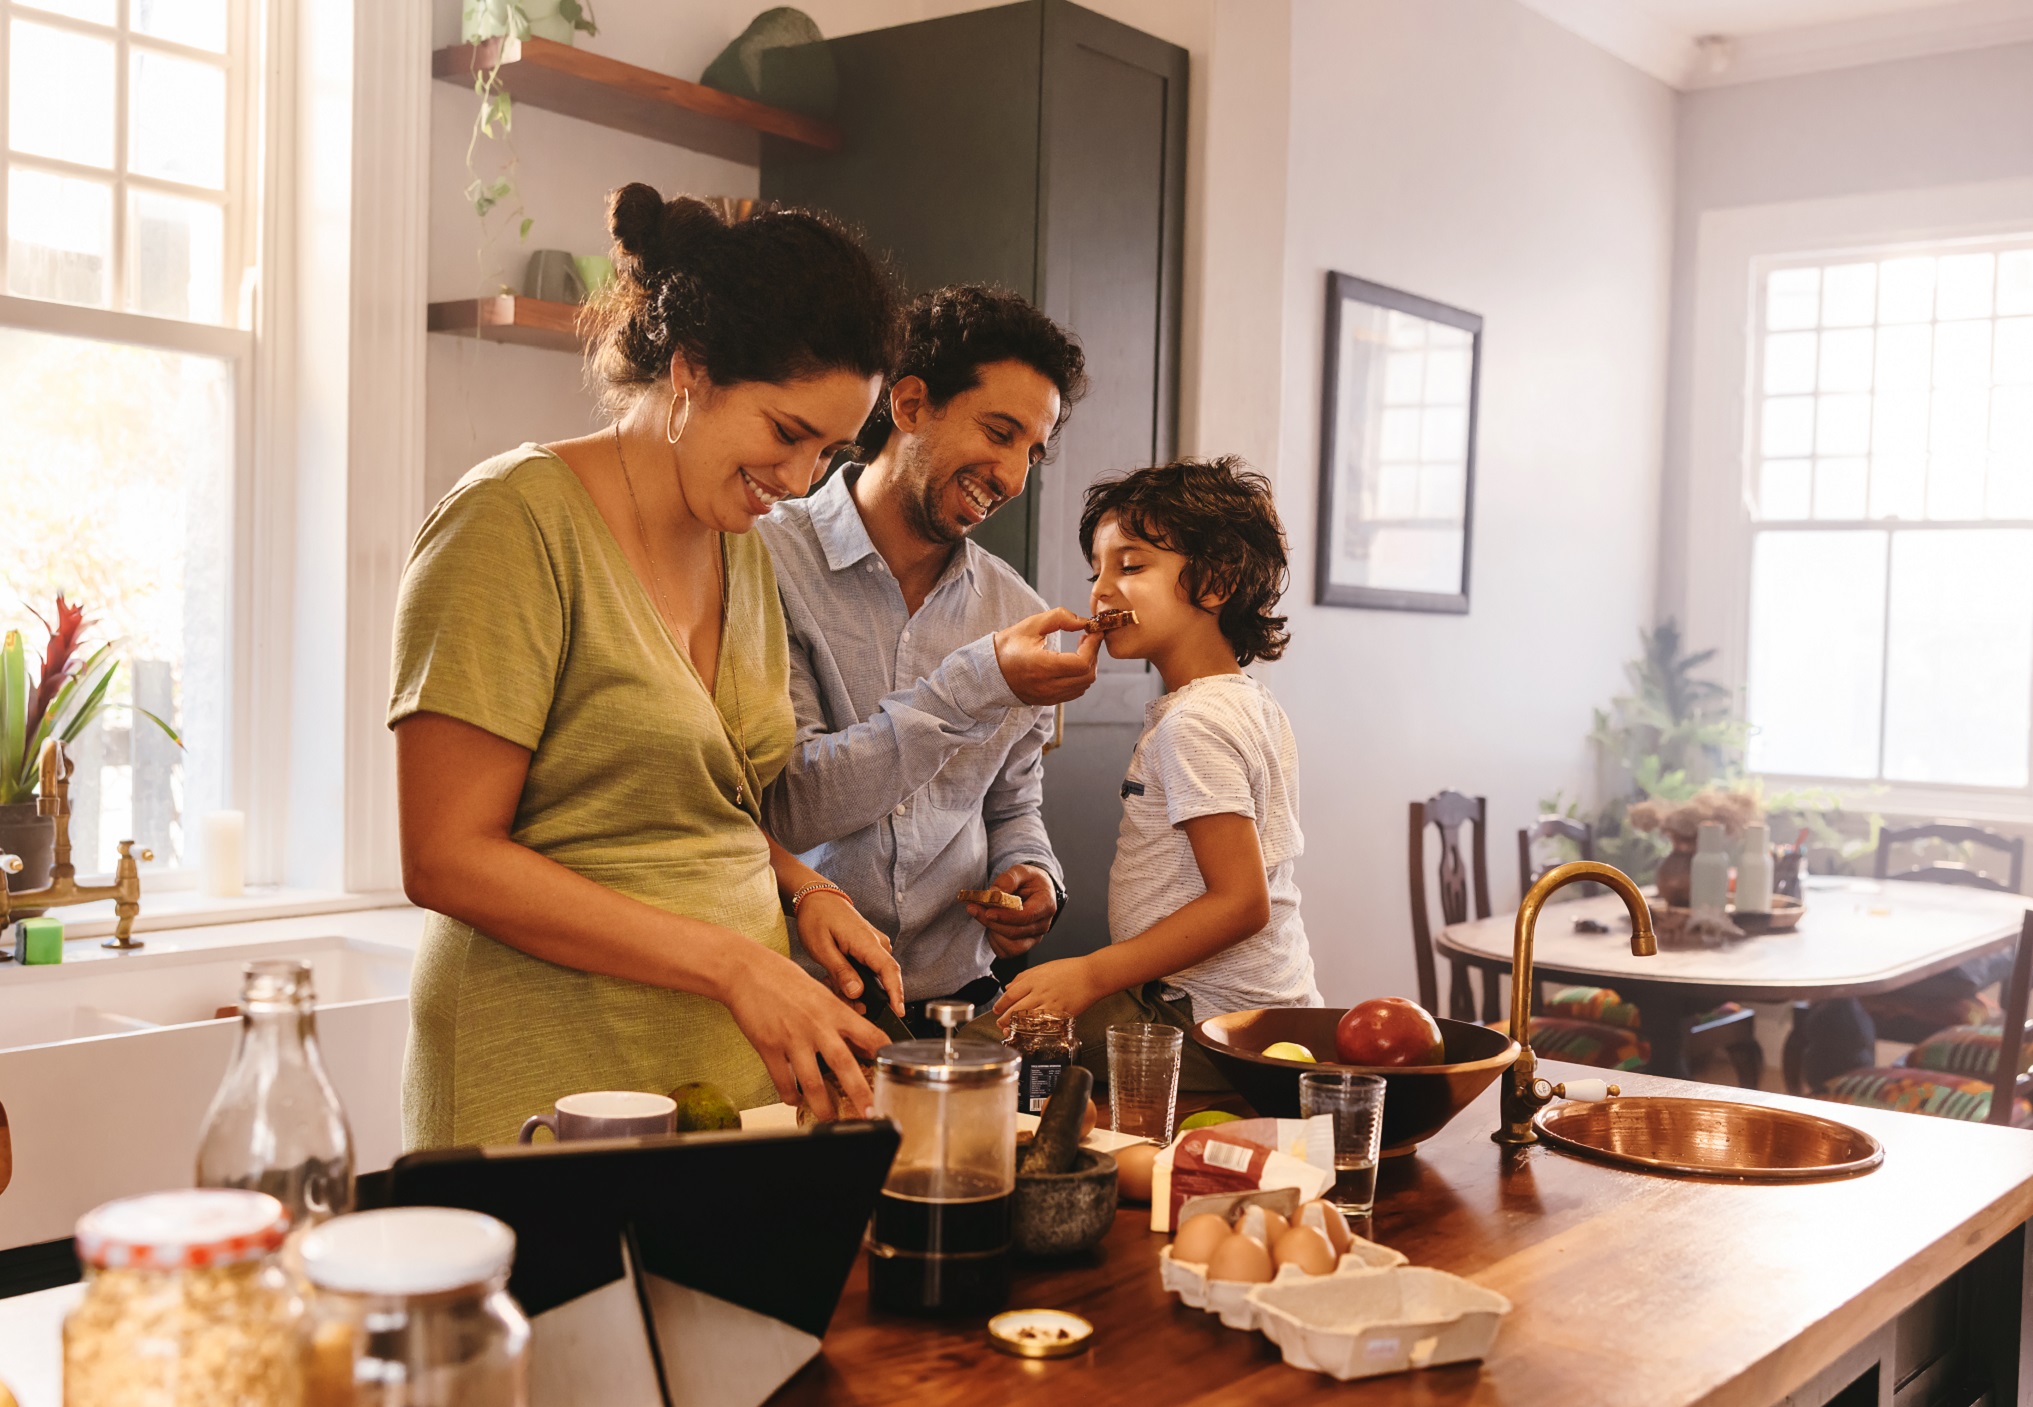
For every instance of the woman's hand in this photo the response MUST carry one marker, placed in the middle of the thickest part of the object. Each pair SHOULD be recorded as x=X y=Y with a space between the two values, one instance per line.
x=803 y=1032
x=833 y=931
x=1069 y=985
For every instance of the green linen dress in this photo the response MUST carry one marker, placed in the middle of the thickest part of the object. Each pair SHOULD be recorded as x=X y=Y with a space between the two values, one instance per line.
x=520 y=615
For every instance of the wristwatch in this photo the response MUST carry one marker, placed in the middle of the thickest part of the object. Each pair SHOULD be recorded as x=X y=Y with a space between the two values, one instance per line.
x=1058 y=900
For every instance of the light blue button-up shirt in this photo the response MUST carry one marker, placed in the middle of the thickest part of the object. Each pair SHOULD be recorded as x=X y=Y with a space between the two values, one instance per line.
x=916 y=772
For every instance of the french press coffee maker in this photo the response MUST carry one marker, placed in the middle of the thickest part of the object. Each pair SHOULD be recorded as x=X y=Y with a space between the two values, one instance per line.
x=939 y=1242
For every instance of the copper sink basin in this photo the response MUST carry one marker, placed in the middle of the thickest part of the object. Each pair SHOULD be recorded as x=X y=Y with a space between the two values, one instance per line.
x=1711 y=1138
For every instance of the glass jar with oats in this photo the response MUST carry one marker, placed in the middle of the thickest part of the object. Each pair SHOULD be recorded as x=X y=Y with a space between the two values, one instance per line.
x=184 y=1304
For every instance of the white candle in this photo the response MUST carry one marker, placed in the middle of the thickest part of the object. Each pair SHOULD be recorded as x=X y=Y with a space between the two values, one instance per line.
x=225 y=847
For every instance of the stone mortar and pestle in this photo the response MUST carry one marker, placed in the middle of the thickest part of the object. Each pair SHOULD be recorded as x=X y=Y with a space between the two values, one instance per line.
x=1065 y=1194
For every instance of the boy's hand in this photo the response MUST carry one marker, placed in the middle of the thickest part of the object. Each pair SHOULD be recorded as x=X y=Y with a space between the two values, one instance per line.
x=1013 y=931
x=1035 y=672
x=1068 y=985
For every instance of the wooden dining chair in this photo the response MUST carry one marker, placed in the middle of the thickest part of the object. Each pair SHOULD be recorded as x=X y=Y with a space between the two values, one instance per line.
x=2012 y=848
x=1729 y=1030
x=1974 y=1073
x=1583 y=1042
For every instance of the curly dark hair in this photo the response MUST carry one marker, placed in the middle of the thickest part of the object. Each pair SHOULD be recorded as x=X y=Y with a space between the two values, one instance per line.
x=1219 y=515
x=951 y=333
x=780 y=295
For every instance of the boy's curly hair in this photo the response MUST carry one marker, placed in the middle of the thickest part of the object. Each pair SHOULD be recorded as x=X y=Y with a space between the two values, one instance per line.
x=1219 y=515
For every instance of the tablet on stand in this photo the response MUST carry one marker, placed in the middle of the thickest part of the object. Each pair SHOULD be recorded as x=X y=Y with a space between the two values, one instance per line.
x=673 y=1271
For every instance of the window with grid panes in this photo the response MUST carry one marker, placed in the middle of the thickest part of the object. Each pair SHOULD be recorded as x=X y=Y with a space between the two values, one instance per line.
x=1891 y=493
x=126 y=132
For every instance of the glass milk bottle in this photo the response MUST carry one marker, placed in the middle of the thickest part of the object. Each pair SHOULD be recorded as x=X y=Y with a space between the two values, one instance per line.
x=276 y=1125
x=939 y=1243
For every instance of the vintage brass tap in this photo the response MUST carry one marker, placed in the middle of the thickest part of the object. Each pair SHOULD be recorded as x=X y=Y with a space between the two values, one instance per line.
x=1524 y=1093
x=53 y=799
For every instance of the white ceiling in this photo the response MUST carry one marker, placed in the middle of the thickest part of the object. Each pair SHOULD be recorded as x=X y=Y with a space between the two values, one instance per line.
x=1749 y=40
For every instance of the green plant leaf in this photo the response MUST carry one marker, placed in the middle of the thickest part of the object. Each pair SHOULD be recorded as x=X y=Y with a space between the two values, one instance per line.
x=13 y=715
x=88 y=709
x=58 y=710
x=168 y=731
x=523 y=233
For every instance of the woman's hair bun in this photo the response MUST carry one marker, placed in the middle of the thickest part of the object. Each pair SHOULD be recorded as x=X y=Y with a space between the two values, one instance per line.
x=781 y=294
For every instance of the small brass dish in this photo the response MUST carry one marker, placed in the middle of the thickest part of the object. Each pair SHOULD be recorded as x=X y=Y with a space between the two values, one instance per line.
x=1711 y=1138
x=1040 y=1333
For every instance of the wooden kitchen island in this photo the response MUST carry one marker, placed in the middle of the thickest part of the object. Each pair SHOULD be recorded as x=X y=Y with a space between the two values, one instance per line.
x=1630 y=1290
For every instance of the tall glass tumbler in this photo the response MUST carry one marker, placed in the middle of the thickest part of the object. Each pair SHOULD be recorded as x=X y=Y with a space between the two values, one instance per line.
x=1356 y=1103
x=1143 y=1080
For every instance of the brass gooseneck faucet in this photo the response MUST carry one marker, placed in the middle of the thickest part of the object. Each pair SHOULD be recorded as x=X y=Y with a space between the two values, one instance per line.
x=1524 y=1093
x=53 y=799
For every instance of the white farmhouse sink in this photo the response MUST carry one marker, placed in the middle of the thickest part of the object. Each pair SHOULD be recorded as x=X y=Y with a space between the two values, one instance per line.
x=108 y=1062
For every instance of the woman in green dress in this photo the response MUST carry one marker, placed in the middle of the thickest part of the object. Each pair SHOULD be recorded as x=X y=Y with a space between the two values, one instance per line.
x=590 y=693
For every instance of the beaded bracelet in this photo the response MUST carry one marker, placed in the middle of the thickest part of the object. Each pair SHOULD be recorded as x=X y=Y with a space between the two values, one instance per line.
x=815 y=887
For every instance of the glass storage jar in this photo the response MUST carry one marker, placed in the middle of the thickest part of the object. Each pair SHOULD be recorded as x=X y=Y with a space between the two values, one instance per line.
x=409 y=1307
x=184 y=1304
x=1046 y=1042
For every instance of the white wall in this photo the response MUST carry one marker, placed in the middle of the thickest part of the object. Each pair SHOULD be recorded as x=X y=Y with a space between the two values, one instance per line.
x=1917 y=124
x=1472 y=152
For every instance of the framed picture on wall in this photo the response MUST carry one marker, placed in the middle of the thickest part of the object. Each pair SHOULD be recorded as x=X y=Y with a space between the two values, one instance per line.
x=1397 y=449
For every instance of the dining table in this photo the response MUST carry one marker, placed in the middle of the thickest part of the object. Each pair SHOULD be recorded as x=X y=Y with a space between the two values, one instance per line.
x=1855 y=938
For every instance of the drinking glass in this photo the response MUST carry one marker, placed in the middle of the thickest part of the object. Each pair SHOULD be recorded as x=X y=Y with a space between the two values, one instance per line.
x=1356 y=1103
x=1143 y=1080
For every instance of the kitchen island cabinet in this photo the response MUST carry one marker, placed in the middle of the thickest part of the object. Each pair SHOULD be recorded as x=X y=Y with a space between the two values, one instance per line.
x=1629 y=1290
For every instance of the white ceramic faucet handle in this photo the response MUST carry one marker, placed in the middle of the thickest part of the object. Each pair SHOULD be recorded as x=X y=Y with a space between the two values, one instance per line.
x=9 y=864
x=1588 y=1091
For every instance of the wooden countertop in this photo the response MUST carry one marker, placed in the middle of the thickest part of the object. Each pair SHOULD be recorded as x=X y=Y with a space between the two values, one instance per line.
x=1628 y=1288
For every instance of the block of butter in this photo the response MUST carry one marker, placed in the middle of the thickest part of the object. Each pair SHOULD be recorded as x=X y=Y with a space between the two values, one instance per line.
x=38 y=940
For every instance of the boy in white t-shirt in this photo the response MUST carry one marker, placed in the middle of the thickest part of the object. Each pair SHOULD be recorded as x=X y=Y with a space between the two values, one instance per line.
x=1203 y=912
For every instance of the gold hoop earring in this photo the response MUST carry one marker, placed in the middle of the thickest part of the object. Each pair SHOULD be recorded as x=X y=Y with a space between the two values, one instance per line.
x=672 y=412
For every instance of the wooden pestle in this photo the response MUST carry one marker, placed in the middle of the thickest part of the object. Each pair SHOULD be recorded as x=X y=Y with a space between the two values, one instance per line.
x=1057 y=1140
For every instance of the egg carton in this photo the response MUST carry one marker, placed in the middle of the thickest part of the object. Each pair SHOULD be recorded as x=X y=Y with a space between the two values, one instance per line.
x=1229 y=1299
x=1376 y=1321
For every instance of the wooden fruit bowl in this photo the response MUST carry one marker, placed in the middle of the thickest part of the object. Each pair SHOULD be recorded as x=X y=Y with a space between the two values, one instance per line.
x=1418 y=1099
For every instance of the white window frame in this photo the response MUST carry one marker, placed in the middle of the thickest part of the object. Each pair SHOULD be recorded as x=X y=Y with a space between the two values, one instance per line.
x=1734 y=247
x=237 y=346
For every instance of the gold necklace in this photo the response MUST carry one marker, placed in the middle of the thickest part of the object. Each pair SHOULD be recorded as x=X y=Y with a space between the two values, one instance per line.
x=739 y=734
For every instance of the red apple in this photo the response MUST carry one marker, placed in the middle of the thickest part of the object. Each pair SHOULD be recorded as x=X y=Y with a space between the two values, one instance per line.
x=1389 y=1031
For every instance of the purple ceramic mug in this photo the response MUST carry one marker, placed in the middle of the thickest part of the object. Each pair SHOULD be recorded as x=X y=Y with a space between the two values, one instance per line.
x=612 y=1113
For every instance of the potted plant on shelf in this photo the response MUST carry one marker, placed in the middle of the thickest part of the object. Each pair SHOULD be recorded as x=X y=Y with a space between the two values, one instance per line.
x=59 y=699
x=480 y=21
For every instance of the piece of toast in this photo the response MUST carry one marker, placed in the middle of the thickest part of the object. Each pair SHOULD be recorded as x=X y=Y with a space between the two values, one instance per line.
x=1105 y=621
x=991 y=898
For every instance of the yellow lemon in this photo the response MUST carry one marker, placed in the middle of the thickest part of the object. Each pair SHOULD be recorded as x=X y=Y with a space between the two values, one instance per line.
x=1289 y=1050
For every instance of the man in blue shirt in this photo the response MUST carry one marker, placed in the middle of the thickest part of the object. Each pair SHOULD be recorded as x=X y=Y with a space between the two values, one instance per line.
x=922 y=667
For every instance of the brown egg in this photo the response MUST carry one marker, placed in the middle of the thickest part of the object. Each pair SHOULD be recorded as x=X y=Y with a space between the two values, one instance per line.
x=1199 y=1237
x=1262 y=1225
x=1326 y=1218
x=1087 y=1119
x=1240 y=1258
x=1306 y=1248
x=1133 y=1170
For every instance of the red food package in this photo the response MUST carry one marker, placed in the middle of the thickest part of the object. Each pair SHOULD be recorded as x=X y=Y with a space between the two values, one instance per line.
x=1230 y=1158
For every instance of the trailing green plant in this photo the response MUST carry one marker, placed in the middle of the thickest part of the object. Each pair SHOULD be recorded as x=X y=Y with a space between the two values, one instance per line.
x=59 y=699
x=485 y=20
x=1676 y=734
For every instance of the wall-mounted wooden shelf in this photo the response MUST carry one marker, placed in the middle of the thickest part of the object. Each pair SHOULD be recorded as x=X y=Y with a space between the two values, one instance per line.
x=557 y=77
x=526 y=322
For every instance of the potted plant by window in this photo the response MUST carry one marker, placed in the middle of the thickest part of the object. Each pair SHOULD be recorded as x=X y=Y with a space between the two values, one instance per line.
x=58 y=699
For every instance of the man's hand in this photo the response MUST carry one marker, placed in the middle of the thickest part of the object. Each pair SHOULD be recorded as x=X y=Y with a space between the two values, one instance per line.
x=1068 y=985
x=1013 y=931
x=1038 y=674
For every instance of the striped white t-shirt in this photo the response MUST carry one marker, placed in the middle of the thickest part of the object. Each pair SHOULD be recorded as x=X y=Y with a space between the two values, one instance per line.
x=1218 y=745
